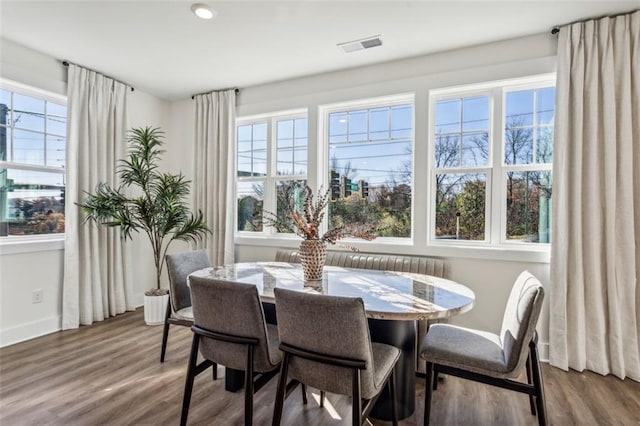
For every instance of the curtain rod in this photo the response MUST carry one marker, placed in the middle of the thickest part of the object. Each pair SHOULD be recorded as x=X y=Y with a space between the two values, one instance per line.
x=216 y=91
x=555 y=30
x=66 y=64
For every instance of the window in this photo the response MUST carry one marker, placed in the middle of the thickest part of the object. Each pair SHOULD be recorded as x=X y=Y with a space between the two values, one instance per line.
x=488 y=152
x=370 y=150
x=492 y=161
x=272 y=166
x=461 y=166
x=33 y=131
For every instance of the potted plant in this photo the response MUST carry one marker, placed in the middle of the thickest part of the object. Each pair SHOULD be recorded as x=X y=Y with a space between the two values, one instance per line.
x=148 y=201
x=306 y=224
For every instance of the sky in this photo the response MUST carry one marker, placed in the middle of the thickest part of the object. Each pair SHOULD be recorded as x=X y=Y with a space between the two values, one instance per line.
x=38 y=137
x=375 y=144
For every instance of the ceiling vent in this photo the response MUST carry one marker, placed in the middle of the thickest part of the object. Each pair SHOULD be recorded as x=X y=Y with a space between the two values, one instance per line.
x=365 y=43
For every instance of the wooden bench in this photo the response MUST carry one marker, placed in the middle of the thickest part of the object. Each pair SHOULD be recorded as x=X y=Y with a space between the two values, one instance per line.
x=384 y=262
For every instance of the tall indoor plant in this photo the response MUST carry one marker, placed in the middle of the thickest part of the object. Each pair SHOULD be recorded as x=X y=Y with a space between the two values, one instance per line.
x=148 y=201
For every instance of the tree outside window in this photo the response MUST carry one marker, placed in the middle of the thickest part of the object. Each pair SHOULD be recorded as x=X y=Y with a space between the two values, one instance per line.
x=463 y=160
x=528 y=155
x=370 y=167
x=266 y=181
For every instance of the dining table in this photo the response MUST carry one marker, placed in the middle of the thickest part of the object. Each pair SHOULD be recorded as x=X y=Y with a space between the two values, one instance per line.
x=393 y=302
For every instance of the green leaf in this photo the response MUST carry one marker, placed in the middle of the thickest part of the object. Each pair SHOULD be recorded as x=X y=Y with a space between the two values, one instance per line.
x=160 y=208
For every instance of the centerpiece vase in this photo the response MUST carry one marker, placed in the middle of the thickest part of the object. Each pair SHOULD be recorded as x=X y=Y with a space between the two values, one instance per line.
x=313 y=254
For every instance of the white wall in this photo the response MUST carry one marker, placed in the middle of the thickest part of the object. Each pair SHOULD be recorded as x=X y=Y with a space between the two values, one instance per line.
x=489 y=273
x=30 y=266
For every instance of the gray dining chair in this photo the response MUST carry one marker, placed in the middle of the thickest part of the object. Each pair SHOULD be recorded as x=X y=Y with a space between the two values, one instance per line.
x=326 y=344
x=491 y=358
x=229 y=329
x=179 y=312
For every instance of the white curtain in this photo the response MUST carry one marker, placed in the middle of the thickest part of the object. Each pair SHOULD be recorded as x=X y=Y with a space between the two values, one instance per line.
x=595 y=257
x=214 y=166
x=97 y=283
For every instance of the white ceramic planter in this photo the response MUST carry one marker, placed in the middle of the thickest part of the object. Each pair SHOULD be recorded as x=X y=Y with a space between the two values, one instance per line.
x=155 y=309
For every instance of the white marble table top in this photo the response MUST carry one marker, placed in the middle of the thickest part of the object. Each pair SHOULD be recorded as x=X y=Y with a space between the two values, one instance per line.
x=386 y=295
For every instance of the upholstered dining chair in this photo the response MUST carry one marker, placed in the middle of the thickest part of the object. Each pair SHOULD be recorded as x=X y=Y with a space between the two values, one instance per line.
x=179 y=312
x=491 y=358
x=229 y=329
x=326 y=344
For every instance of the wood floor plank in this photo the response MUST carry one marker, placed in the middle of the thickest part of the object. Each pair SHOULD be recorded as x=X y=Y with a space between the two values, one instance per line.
x=110 y=374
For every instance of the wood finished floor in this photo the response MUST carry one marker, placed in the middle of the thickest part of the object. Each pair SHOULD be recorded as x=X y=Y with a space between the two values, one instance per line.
x=110 y=374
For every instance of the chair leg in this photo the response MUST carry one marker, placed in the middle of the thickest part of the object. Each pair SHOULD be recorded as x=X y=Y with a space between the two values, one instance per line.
x=188 y=386
x=304 y=393
x=532 y=401
x=435 y=380
x=321 y=398
x=356 y=413
x=392 y=395
x=215 y=370
x=428 y=390
x=165 y=331
x=281 y=391
x=537 y=382
x=248 y=388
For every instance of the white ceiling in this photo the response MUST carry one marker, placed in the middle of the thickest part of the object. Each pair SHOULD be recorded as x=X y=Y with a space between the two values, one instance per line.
x=162 y=48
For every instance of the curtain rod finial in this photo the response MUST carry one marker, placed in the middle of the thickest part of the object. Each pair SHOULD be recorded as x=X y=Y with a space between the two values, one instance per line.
x=555 y=30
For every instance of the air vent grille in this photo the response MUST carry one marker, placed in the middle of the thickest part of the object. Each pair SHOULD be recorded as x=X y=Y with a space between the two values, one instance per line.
x=365 y=43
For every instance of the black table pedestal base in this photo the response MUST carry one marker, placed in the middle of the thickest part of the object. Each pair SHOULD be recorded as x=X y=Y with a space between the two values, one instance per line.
x=402 y=335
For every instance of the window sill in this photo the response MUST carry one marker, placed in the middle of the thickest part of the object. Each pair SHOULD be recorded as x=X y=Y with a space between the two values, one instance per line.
x=31 y=244
x=505 y=252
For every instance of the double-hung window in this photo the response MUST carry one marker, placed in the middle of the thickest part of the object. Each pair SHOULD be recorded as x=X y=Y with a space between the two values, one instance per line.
x=33 y=129
x=491 y=162
x=370 y=167
x=271 y=166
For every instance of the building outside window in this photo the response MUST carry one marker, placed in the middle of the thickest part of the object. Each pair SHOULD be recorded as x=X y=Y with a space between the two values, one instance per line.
x=272 y=167
x=370 y=151
x=492 y=162
x=33 y=130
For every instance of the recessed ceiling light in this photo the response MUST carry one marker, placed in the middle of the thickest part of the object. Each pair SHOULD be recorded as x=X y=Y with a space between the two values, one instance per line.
x=203 y=11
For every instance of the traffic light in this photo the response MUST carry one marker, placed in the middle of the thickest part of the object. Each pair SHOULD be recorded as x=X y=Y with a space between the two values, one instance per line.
x=346 y=186
x=335 y=185
x=364 y=189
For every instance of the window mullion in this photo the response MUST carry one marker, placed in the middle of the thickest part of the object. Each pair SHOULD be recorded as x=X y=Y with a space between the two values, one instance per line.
x=44 y=155
x=270 y=179
x=497 y=215
x=534 y=154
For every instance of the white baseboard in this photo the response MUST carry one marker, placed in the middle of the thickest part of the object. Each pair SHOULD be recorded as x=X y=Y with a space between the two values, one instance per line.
x=543 y=351
x=138 y=300
x=30 y=330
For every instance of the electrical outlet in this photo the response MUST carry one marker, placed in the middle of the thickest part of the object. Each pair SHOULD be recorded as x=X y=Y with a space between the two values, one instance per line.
x=36 y=296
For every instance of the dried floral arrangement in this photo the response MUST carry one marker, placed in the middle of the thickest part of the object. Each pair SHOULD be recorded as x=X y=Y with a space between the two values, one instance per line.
x=306 y=223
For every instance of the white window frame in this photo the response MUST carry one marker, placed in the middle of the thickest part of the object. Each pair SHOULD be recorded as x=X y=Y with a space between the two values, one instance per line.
x=38 y=242
x=270 y=180
x=495 y=204
x=371 y=103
